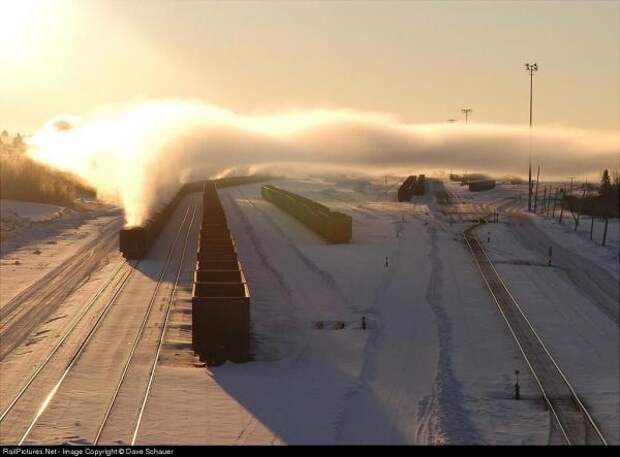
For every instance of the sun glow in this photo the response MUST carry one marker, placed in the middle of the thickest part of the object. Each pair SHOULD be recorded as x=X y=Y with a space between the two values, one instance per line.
x=26 y=27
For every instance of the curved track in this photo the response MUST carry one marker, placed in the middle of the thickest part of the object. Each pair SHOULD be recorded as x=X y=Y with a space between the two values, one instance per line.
x=572 y=418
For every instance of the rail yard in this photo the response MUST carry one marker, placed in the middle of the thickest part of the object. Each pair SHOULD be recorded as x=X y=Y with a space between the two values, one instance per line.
x=317 y=310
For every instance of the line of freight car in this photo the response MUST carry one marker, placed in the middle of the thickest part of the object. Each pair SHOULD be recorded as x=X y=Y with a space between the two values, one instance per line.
x=483 y=184
x=420 y=185
x=135 y=241
x=406 y=189
x=220 y=295
x=335 y=227
x=198 y=186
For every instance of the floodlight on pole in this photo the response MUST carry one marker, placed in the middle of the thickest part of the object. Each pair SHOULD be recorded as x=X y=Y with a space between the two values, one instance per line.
x=531 y=68
x=466 y=111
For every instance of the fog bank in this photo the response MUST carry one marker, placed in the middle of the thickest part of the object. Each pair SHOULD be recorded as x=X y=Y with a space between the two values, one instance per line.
x=140 y=153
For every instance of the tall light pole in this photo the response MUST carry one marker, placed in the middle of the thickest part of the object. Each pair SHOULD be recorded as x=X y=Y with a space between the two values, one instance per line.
x=466 y=111
x=531 y=68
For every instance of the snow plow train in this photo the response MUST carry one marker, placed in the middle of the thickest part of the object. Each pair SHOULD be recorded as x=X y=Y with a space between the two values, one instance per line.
x=136 y=241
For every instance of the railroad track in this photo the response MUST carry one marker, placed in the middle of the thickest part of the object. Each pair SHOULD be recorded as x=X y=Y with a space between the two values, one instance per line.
x=33 y=306
x=45 y=369
x=139 y=336
x=30 y=292
x=569 y=414
x=34 y=397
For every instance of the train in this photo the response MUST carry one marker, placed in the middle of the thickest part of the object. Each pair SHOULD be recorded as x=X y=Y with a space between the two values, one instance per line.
x=220 y=294
x=420 y=185
x=230 y=181
x=333 y=226
x=471 y=177
x=480 y=185
x=405 y=191
x=411 y=186
x=135 y=241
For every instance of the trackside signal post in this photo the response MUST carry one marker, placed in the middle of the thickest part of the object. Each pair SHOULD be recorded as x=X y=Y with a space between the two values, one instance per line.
x=517 y=386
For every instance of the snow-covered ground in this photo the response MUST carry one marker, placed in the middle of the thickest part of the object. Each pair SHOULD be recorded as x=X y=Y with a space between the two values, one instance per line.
x=434 y=366
x=37 y=238
x=34 y=212
x=573 y=305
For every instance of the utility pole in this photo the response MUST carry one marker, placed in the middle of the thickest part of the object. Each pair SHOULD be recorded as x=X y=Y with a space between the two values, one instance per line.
x=570 y=190
x=531 y=68
x=386 y=188
x=466 y=111
x=536 y=195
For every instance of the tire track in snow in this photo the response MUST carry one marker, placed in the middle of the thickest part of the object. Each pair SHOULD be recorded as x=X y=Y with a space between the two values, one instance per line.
x=283 y=289
x=454 y=423
x=326 y=277
x=371 y=347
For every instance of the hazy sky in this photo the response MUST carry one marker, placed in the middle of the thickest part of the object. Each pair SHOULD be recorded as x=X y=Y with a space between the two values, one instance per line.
x=421 y=61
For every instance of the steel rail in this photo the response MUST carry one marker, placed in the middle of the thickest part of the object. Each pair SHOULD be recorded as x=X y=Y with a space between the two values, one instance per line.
x=138 y=337
x=470 y=240
x=162 y=334
x=61 y=341
x=576 y=398
x=516 y=338
x=76 y=356
x=7 y=310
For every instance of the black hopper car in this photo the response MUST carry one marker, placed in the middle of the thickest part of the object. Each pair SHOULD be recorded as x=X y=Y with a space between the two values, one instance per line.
x=420 y=186
x=405 y=191
x=411 y=186
x=483 y=184
x=220 y=296
x=134 y=242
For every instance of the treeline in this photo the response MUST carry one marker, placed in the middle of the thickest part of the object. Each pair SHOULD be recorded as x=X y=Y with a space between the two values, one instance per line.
x=604 y=204
x=21 y=178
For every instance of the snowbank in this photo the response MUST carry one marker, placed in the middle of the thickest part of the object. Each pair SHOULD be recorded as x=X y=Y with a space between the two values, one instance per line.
x=35 y=212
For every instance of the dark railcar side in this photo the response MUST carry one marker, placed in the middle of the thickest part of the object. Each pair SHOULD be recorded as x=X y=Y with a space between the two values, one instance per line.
x=406 y=188
x=420 y=186
x=133 y=242
x=485 y=184
x=335 y=227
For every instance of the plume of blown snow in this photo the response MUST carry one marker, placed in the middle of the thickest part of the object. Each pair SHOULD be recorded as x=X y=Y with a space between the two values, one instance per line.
x=140 y=153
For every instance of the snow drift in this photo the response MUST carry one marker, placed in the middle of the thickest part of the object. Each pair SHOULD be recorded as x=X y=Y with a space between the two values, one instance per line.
x=140 y=153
